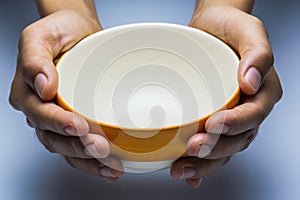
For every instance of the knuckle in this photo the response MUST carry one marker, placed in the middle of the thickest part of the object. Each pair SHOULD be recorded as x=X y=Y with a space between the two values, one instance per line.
x=267 y=54
x=70 y=161
x=250 y=136
x=73 y=148
x=55 y=122
x=45 y=140
x=24 y=34
x=244 y=147
x=261 y=114
x=265 y=50
x=36 y=119
x=12 y=100
x=28 y=32
x=248 y=139
x=239 y=119
x=280 y=93
x=47 y=118
x=93 y=167
x=226 y=160
x=31 y=65
x=30 y=123
x=257 y=21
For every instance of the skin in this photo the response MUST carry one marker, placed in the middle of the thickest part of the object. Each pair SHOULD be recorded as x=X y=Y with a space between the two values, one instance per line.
x=258 y=80
x=64 y=23
x=35 y=85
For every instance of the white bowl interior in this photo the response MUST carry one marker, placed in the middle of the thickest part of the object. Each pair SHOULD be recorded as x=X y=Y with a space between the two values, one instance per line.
x=148 y=75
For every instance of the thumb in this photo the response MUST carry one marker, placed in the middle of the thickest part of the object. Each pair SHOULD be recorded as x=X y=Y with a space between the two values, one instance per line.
x=247 y=35
x=35 y=63
x=254 y=66
x=39 y=73
x=256 y=55
x=42 y=41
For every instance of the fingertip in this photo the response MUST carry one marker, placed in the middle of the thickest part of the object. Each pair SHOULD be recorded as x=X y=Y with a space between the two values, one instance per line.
x=116 y=172
x=102 y=147
x=108 y=172
x=96 y=146
x=254 y=66
x=112 y=179
x=176 y=171
x=195 y=183
x=114 y=163
x=74 y=125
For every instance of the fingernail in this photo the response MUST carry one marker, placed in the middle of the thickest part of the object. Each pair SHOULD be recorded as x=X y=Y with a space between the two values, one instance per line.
x=188 y=172
x=219 y=129
x=199 y=182
x=70 y=131
x=194 y=143
x=253 y=78
x=107 y=172
x=91 y=150
x=39 y=83
x=195 y=183
x=111 y=179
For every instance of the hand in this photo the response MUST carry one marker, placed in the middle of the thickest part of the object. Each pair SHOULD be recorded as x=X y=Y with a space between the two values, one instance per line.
x=257 y=79
x=194 y=169
x=35 y=85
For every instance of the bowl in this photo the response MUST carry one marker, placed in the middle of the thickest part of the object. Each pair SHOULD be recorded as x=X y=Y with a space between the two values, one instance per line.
x=148 y=87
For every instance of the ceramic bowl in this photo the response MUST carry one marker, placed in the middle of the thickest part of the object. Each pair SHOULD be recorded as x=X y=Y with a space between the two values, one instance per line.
x=148 y=88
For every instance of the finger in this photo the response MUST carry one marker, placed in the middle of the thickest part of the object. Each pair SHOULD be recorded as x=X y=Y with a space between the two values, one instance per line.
x=94 y=167
x=250 y=113
x=30 y=123
x=224 y=146
x=45 y=115
x=114 y=164
x=192 y=168
x=49 y=116
x=35 y=62
x=95 y=145
x=255 y=51
x=73 y=146
x=195 y=182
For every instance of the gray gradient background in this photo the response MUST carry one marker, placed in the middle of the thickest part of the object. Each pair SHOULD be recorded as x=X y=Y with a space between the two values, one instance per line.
x=269 y=169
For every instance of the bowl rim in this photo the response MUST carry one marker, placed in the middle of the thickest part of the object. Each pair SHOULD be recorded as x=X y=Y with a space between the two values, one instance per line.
x=235 y=95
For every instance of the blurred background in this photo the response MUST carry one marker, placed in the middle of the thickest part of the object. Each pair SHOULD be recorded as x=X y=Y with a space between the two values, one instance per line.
x=268 y=169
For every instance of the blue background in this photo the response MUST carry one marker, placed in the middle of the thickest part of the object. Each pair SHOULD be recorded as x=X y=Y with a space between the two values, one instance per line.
x=268 y=169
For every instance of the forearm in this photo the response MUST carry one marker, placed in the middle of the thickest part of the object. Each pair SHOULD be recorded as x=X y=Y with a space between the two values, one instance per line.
x=84 y=7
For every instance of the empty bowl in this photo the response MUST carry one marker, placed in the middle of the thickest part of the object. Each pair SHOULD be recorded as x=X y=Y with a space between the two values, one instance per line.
x=148 y=88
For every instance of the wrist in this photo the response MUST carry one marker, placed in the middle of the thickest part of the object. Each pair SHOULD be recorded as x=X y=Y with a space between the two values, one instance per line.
x=216 y=18
x=84 y=8
x=243 y=5
x=203 y=6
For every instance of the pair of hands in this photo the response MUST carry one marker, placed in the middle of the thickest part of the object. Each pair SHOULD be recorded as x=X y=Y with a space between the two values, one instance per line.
x=35 y=85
